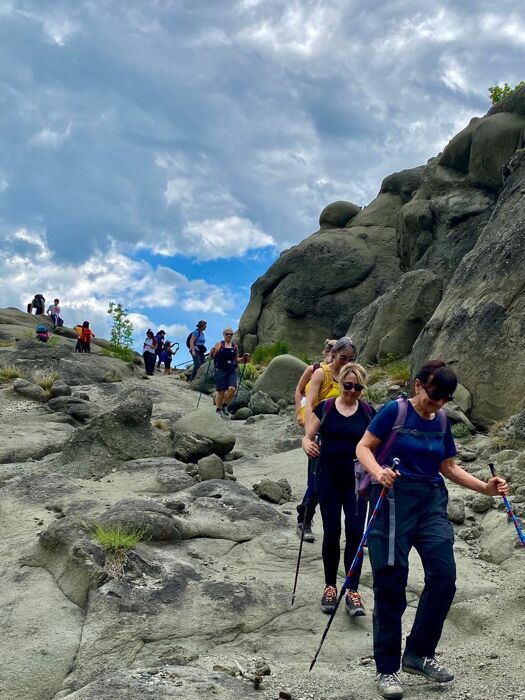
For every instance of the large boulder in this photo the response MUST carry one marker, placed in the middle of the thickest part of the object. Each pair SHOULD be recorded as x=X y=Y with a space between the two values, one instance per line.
x=262 y=404
x=151 y=519
x=280 y=377
x=478 y=324
x=29 y=390
x=203 y=422
x=73 y=406
x=338 y=214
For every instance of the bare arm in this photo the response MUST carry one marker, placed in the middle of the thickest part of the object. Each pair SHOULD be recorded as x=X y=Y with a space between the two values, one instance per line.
x=312 y=428
x=365 y=454
x=313 y=393
x=494 y=487
x=215 y=349
x=301 y=385
x=192 y=344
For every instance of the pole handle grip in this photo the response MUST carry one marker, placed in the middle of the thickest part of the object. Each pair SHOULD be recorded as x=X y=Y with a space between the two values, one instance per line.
x=492 y=470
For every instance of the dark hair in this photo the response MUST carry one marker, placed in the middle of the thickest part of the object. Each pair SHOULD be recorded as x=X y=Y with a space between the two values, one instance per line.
x=201 y=323
x=439 y=375
x=150 y=331
x=161 y=331
x=85 y=324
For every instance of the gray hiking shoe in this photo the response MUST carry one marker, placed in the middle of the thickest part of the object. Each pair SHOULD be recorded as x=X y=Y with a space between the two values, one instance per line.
x=354 y=604
x=427 y=666
x=389 y=685
x=308 y=534
x=329 y=599
x=225 y=413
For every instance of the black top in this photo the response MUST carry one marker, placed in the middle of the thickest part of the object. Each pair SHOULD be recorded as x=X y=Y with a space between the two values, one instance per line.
x=225 y=358
x=339 y=437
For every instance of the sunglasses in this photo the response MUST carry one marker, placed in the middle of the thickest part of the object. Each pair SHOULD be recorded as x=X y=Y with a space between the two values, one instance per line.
x=345 y=358
x=435 y=395
x=229 y=334
x=350 y=385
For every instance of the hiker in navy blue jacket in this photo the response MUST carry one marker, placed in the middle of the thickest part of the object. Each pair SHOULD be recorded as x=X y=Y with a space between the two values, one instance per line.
x=340 y=422
x=415 y=515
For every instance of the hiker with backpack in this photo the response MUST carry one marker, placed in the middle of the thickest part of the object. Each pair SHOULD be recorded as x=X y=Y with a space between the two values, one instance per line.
x=417 y=433
x=226 y=359
x=196 y=343
x=159 y=338
x=324 y=384
x=53 y=310
x=340 y=423
x=148 y=352
x=38 y=303
x=85 y=337
x=300 y=396
x=42 y=333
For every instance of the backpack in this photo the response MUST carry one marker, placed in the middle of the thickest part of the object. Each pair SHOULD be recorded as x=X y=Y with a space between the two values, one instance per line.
x=216 y=355
x=363 y=479
x=41 y=328
x=199 y=333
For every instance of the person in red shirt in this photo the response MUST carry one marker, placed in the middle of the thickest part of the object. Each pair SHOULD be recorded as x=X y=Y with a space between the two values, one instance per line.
x=85 y=337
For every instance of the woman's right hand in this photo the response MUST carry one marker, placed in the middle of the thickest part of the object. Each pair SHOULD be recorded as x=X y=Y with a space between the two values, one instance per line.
x=387 y=477
x=310 y=447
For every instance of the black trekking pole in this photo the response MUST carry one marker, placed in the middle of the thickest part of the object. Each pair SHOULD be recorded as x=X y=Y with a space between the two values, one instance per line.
x=241 y=376
x=204 y=382
x=353 y=566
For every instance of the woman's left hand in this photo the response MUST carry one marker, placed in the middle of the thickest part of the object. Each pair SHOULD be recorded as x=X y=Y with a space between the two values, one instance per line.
x=496 y=487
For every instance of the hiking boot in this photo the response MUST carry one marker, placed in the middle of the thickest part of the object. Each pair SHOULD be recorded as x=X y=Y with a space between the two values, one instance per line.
x=225 y=412
x=427 y=666
x=329 y=599
x=389 y=685
x=308 y=534
x=354 y=604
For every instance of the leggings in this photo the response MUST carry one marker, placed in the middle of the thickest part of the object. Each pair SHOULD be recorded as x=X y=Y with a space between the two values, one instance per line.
x=335 y=492
x=149 y=362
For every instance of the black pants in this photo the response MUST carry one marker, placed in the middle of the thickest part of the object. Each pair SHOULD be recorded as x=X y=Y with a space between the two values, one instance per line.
x=336 y=493
x=149 y=362
x=421 y=522
x=309 y=502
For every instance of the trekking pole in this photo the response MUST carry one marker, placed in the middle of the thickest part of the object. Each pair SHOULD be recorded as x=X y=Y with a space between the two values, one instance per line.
x=510 y=511
x=176 y=349
x=241 y=376
x=355 y=562
x=203 y=383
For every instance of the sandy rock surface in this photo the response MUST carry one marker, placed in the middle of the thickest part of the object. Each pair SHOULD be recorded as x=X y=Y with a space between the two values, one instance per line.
x=205 y=600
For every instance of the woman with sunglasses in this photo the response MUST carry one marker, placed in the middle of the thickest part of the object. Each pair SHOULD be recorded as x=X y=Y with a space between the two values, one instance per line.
x=324 y=384
x=340 y=423
x=226 y=358
x=425 y=448
x=300 y=389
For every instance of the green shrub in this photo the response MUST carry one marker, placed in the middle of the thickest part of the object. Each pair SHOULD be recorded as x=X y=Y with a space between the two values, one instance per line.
x=9 y=372
x=460 y=430
x=125 y=354
x=376 y=395
x=114 y=377
x=116 y=540
x=305 y=357
x=398 y=371
x=249 y=371
x=498 y=435
x=264 y=354
x=6 y=343
x=499 y=92
x=375 y=374
x=53 y=341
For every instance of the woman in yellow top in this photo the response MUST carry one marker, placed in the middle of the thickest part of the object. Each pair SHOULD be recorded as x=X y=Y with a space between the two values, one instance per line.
x=304 y=381
x=324 y=384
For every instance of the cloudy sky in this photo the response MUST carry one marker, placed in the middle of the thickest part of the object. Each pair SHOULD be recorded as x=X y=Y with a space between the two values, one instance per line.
x=162 y=153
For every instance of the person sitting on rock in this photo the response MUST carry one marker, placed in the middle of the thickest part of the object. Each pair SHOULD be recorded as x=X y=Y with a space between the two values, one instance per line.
x=300 y=397
x=226 y=357
x=85 y=337
x=159 y=338
x=323 y=385
x=197 y=346
x=38 y=303
x=340 y=422
x=54 y=311
x=425 y=449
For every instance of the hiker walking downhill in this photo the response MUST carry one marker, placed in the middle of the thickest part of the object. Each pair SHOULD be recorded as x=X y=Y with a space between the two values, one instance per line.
x=226 y=359
x=323 y=385
x=416 y=517
x=299 y=396
x=340 y=423
x=166 y=357
x=38 y=303
x=196 y=342
x=148 y=352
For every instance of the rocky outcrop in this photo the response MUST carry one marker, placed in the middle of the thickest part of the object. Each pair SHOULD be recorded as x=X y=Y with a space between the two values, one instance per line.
x=280 y=378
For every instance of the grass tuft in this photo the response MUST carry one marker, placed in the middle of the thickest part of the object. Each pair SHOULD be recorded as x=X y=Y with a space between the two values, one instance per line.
x=398 y=371
x=498 y=436
x=264 y=354
x=9 y=372
x=46 y=379
x=376 y=395
x=249 y=371
x=117 y=540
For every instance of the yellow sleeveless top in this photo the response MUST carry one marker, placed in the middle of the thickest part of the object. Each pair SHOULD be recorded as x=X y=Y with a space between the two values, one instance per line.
x=329 y=388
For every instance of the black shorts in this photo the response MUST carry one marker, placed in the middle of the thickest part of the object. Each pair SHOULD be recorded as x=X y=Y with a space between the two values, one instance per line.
x=225 y=378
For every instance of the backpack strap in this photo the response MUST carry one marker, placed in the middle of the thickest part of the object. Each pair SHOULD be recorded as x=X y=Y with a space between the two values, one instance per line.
x=326 y=408
x=443 y=420
x=367 y=409
x=386 y=448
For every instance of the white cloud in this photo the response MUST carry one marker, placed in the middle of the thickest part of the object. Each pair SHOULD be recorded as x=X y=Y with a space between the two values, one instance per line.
x=49 y=138
x=223 y=238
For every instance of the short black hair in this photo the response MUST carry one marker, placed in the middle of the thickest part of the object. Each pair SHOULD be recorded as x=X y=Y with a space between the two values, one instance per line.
x=439 y=375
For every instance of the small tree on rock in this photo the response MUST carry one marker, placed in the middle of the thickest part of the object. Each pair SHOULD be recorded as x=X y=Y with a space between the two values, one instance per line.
x=121 y=339
x=499 y=92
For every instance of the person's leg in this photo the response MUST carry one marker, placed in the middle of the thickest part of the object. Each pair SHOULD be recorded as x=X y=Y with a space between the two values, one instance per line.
x=196 y=364
x=145 y=358
x=389 y=582
x=88 y=347
x=219 y=400
x=330 y=504
x=355 y=515
x=434 y=544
